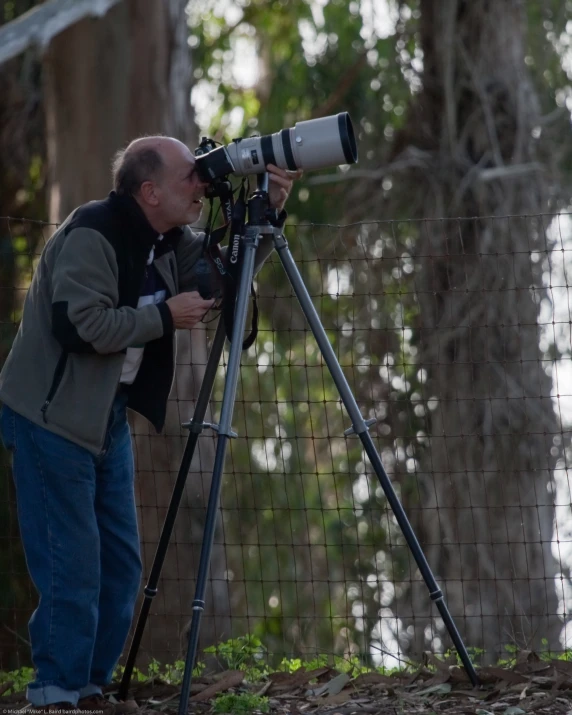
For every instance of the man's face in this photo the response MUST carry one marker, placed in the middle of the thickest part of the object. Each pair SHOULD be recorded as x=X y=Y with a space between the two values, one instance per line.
x=179 y=189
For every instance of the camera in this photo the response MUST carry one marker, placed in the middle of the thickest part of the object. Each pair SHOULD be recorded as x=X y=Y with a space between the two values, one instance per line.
x=312 y=144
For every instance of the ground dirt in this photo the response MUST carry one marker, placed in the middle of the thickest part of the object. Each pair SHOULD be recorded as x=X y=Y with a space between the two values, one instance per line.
x=531 y=685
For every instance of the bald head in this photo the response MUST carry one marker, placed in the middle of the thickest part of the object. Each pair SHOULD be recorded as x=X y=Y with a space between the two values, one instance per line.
x=146 y=159
x=160 y=174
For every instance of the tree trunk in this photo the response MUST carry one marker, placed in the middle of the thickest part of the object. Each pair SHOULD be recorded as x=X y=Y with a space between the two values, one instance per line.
x=22 y=155
x=108 y=81
x=484 y=511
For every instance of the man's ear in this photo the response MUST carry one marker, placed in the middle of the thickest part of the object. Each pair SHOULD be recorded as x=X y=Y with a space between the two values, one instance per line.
x=149 y=193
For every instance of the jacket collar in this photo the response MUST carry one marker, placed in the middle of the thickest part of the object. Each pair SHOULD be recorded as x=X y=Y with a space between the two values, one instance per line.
x=132 y=216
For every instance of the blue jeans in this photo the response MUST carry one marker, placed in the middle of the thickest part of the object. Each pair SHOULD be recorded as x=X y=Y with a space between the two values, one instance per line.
x=78 y=524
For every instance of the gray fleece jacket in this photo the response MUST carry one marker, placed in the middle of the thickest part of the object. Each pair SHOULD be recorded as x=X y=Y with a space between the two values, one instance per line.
x=80 y=316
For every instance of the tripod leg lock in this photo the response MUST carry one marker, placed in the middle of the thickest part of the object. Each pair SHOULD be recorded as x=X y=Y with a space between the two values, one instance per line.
x=216 y=428
x=280 y=241
x=198 y=427
x=367 y=424
x=198 y=605
x=150 y=592
x=436 y=595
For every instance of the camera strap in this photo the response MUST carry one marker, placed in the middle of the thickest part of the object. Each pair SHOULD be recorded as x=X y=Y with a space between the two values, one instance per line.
x=229 y=266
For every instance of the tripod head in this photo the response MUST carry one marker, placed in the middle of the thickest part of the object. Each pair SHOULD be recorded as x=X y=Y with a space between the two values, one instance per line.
x=248 y=220
x=259 y=210
x=258 y=207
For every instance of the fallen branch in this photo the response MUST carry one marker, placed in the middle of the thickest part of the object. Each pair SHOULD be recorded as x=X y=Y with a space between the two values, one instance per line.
x=41 y=24
x=411 y=158
x=506 y=172
x=14 y=633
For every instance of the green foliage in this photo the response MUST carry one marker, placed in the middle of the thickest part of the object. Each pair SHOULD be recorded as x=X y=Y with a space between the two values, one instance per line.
x=291 y=665
x=241 y=703
x=351 y=664
x=243 y=653
x=312 y=63
x=168 y=673
x=510 y=660
x=20 y=678
x=547 y=655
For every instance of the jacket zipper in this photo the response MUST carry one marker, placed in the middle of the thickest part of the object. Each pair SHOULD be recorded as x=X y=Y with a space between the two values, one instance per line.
x=58 y=374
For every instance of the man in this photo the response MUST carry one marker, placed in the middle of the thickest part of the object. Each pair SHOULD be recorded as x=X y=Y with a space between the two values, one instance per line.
x=96 y=337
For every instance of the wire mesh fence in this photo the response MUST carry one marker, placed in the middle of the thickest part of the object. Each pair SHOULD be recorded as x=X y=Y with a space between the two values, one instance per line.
x=455 y=335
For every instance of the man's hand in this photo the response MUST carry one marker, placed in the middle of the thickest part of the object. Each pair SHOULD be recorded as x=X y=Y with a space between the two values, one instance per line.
x=280 y=184
x=188 y=309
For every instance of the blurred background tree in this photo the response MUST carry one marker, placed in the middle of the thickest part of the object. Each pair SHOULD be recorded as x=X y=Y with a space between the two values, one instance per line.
x=460 y=110
x=100 y=83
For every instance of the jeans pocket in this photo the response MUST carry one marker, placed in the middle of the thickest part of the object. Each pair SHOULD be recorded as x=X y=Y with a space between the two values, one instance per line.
x=7 y=428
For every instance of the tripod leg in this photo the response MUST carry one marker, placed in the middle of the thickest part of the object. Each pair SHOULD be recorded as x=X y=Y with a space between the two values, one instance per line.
x=360 y=428
x=196 y=426
x=224 y=434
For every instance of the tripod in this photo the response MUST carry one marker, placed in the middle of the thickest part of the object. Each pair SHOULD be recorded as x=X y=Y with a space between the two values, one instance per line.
x=258 y=226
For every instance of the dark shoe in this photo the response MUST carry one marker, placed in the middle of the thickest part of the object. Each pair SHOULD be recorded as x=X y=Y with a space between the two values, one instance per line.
x=96 y=704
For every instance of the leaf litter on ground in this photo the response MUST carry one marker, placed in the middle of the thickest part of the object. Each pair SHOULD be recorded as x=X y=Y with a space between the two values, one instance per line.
x=531 y=685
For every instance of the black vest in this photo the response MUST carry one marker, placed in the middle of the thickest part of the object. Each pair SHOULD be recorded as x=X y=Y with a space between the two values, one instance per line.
x=122 y=222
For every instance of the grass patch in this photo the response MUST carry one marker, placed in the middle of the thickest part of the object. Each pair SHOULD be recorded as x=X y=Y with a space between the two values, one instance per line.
x=239 y=704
